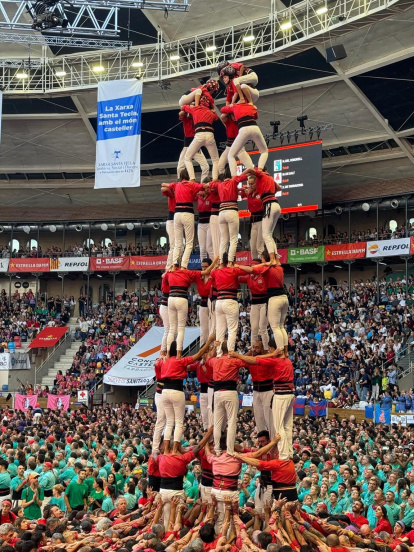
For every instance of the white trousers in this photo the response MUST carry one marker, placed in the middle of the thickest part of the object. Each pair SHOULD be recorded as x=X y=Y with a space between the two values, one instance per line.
x=245 y=134
x=212 y=316
x=188 y=99
x=256 y=240
x=207 y=140
x=183 y=226
x=227 y=320
x=171 y=240
x=277 y=311
x=215 y=234
x=229 y=232
x=204 y=241
x=177 y=314
x=262 y=496
x=249 y=78
x=160 y=422
x=226 y=405
x=262 y=411
x=166 y=324
x=221 y=506
x=282 y=410
x=167 y=495
x=199 y=158
x=243 y=156
x=204 y=410
x=204 y=317
x=210 y=396
x=258 y=324
x=173 y=402
x=268 y=226
x=205 y=493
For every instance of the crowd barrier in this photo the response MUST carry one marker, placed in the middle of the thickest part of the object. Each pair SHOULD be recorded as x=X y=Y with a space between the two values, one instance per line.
x=294 y=255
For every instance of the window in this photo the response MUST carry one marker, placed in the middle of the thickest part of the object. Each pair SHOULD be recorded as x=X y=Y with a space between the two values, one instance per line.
x=88 y=242
x=105 y=242
x=328 y=230
x=14 y=245
x=32 y=243
x=162 y=241
x=392 y=225
x=311 y=233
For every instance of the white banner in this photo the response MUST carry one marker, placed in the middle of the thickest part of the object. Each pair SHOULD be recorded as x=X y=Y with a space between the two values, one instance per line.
x=71 y=264
x=388 y=248
x=14 y=361
x=137 y=366
x=83 y=396
x=398 y=419
x=4 y=264
x=118 y=137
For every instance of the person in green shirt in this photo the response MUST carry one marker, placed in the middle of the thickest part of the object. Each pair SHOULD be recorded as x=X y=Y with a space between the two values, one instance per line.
x=129 y=495
x=47 y=480
x=58 y=498
x=333 y=507
x=17 y=484
x=89 y=481
x=32 y=498
x=76 y=493
x=108 y=502
x=96 y=495
x=393 y=510
x=5 y=479
x=307 y=504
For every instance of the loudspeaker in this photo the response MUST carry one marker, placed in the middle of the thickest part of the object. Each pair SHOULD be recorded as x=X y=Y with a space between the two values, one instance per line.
x=335 y=53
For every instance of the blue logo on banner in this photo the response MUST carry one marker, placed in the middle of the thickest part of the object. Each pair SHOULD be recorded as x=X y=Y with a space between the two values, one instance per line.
x=194 y=262
x=119 y=118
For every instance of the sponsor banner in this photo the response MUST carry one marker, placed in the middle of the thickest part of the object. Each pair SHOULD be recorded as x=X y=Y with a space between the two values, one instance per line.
x=48 y=337
x=283 y=255
x=382 y=415
x=411 y=246
x=19 y=361
x=58 y=402
x=388 y=248
x=306 y=254
x=29 y=265
x=242 y=258
x=70 y=264
x=109 y=263
x=247 y=400
x=345 y=251
x=148 y=263
x=4 y=265
x=22 y=402
x=137 y=366
x=396 y=419
x=118 y=136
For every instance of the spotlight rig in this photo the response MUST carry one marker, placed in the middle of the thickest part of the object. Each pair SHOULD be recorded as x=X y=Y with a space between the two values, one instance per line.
x=44 y=16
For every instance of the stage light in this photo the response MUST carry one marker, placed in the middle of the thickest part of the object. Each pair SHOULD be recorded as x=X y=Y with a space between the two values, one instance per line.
x=248 y=38
x=130 y=226
x=60 y=73
x=26 y=229
x=286 y=25
x=98 y=68
x=78 y=228
x=337 y=266
x=22 y=75
x=52 y=228
x=211 y=48
x=380 y=262
x=395 y=203
x=366 y=207
x=321 y=9
x=174 y=57
x=338 y=210
x=99 y=275
x=104 y=227
x=137 y=64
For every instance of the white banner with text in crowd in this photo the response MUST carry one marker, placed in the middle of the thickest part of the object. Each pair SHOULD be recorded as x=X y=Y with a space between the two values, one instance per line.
x=388 y=248
x=72 y=264
x=4 y=265
x=118 y=134
x=14 y=361
x=137 y=366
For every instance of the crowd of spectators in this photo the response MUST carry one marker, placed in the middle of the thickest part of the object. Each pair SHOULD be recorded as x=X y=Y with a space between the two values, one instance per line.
x=80 y=481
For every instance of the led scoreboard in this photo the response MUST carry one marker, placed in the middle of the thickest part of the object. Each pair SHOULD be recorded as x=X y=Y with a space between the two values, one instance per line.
x=298 y=171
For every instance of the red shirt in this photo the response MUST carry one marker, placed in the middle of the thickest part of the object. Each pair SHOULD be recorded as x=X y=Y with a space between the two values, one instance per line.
x=226 y=281
x=201 y=371
x=282 y=368
x=273 y=275
x=174 y=465
x=266 y=187
x=240 y=111
x=256 y=284
x=254 y=202
x=185 y=191
x=261 y=372
x=203 y=116
x=171 y=200
x=203 y=208
x=232 y=129
x=180 y=280
x=174 y=368
x=225 y=368
x=188 y=125
x=383 y=525
x=360 y=520
x=158 y=367
x=204 y=287
x=227 y=190
x=152 y=467
x=282 y=471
